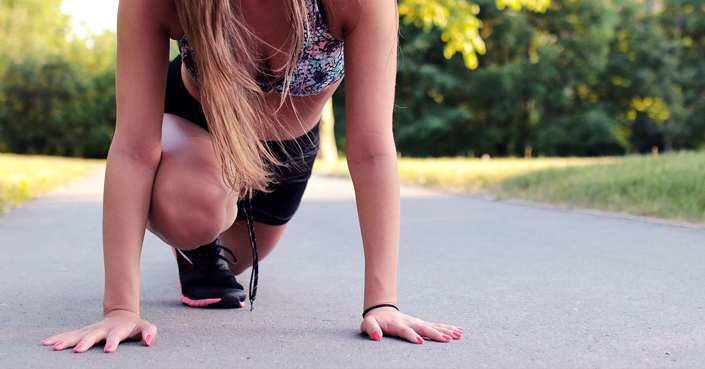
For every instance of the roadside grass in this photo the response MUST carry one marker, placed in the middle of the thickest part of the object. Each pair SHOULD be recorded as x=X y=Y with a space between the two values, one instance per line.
x=23 y=178
x=670 y=186
x=465 y=174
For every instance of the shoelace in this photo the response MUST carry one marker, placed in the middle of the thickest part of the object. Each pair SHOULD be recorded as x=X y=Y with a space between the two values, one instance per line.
x=254 y=276
x=207 y=256
x=221 y=257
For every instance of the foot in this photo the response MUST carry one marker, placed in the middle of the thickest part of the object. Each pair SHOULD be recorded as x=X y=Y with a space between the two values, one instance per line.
x=205 y=280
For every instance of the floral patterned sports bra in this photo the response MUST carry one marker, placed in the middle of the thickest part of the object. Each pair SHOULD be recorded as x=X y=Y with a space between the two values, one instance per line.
x=320 y=62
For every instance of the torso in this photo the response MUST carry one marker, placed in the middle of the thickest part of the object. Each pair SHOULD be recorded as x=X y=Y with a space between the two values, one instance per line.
x=299 y=114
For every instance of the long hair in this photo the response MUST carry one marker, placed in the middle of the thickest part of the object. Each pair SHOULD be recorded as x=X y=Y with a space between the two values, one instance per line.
x=232 y=98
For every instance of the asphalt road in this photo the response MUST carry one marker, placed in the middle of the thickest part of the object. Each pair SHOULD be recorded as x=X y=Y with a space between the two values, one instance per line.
x=532 y=287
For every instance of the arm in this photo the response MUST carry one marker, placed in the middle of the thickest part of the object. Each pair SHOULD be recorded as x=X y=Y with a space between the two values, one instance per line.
x=143 y=51
x=370 y=64
x=142 y=56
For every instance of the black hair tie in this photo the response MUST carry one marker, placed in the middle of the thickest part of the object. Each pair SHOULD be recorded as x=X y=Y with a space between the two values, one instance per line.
x=376 y=307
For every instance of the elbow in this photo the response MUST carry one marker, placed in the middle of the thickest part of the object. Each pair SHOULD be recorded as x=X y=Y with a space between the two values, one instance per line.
x=370 y=158
x=139 y=153
x=363 y=152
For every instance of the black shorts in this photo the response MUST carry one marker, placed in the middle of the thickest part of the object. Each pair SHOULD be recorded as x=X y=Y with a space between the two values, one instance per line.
x=297 y=155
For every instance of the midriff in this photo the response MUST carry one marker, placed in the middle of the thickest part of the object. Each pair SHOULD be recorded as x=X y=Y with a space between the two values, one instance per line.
x=297 y=116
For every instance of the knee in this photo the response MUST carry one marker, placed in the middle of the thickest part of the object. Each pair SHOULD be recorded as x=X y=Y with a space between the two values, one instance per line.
x=187 y=215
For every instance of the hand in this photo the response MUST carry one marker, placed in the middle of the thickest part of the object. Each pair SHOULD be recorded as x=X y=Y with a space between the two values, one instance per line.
x=115 y=327
x=389 y=321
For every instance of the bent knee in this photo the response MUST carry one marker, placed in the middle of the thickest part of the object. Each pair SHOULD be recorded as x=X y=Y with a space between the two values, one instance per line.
x=187 y=214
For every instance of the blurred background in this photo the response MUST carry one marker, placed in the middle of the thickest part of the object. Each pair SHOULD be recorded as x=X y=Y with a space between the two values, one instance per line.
x=569 y=78
x=601 y=80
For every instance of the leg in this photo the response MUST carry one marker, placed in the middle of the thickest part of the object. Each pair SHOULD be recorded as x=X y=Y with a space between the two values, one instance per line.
x=237 y=239
x=191 y=205
x=272 y=212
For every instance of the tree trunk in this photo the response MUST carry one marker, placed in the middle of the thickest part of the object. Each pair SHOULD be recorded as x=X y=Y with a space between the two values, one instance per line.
x=328 y=152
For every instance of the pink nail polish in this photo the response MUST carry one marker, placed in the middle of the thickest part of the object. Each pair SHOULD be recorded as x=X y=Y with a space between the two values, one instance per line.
x=149 y=340
x=56 y=345
x=44 y=341
x=447 y=337
x=75 y=349
x=107 y=348
x=419 y=339
x=376 y=335
x=458 y=335
x=461 y=329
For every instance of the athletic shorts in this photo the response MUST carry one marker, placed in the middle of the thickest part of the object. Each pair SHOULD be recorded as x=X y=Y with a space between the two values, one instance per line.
x=296 y=157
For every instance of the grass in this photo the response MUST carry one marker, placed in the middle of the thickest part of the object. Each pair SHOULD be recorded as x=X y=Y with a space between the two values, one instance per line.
x=23 y=178
x=670 y=186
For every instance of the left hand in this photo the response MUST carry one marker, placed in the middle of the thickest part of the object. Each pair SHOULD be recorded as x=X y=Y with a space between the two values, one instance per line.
x=389 y=321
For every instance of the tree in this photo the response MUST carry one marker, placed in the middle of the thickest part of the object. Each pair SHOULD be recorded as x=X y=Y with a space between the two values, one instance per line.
x=57 y=93
x=455 y=23
x=31 y=28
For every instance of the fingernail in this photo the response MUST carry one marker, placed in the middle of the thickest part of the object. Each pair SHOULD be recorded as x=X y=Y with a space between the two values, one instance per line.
x=149 y=339
x=108 y=347
x=456 y=334
x=75 y=349
x=376 y=335
x=43 y=341
x=419 y=339
x=447 y=337
x=57 y=345
x=460 y=329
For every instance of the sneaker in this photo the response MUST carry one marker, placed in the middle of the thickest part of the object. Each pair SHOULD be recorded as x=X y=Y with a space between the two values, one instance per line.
x=205 y=280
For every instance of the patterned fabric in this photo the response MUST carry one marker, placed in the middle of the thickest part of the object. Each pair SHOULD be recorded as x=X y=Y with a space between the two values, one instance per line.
x=319 y=65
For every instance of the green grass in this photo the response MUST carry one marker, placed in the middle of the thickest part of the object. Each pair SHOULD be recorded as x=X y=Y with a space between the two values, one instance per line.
x=23 y=178
x=670 y=186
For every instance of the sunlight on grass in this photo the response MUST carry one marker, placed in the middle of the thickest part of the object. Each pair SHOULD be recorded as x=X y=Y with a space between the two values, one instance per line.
x=670 y=186
x=465 y=174
x=23 y=178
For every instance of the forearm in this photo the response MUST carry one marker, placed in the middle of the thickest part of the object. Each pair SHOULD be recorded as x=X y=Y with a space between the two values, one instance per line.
x=128 y=189
x=376 y=181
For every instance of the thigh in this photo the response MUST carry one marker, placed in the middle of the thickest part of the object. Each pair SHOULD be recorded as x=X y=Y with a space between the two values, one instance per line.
x=191 y=204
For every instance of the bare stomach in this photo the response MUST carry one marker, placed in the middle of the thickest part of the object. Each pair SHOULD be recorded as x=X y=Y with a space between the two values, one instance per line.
x=298 y=115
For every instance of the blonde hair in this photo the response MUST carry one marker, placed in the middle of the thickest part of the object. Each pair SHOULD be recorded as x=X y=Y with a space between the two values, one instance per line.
x=231 y=96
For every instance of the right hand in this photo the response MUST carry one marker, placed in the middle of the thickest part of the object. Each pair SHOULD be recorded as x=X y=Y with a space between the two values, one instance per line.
x=116 y=326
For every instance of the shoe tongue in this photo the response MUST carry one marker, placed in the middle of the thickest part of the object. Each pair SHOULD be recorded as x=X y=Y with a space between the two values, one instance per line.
x=209 y=254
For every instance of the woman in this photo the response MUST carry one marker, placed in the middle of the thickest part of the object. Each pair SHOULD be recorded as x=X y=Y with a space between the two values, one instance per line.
x=235 y=143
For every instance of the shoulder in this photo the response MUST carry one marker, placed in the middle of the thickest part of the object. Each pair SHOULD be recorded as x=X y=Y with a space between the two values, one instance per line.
x=156 y=15
x=345 y=15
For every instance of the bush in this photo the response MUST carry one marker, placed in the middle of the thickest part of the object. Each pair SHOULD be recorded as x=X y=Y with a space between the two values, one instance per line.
x=56 y=108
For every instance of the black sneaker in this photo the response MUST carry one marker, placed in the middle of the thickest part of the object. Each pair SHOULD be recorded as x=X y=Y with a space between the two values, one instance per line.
x=205 y=279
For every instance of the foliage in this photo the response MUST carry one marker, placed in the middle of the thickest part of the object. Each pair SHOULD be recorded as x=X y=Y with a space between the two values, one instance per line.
x=31 y=28
x=569 y=77
x=581 y=78
x=458 y=22
x=57 y=92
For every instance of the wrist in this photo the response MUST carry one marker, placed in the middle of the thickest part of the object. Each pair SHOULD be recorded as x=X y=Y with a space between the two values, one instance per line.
x=114 y=306
x=107 y=313
x=392 y=306
x=379 y=296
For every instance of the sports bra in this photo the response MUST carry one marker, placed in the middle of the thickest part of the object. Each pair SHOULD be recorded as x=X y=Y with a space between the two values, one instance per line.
x=320 y=63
